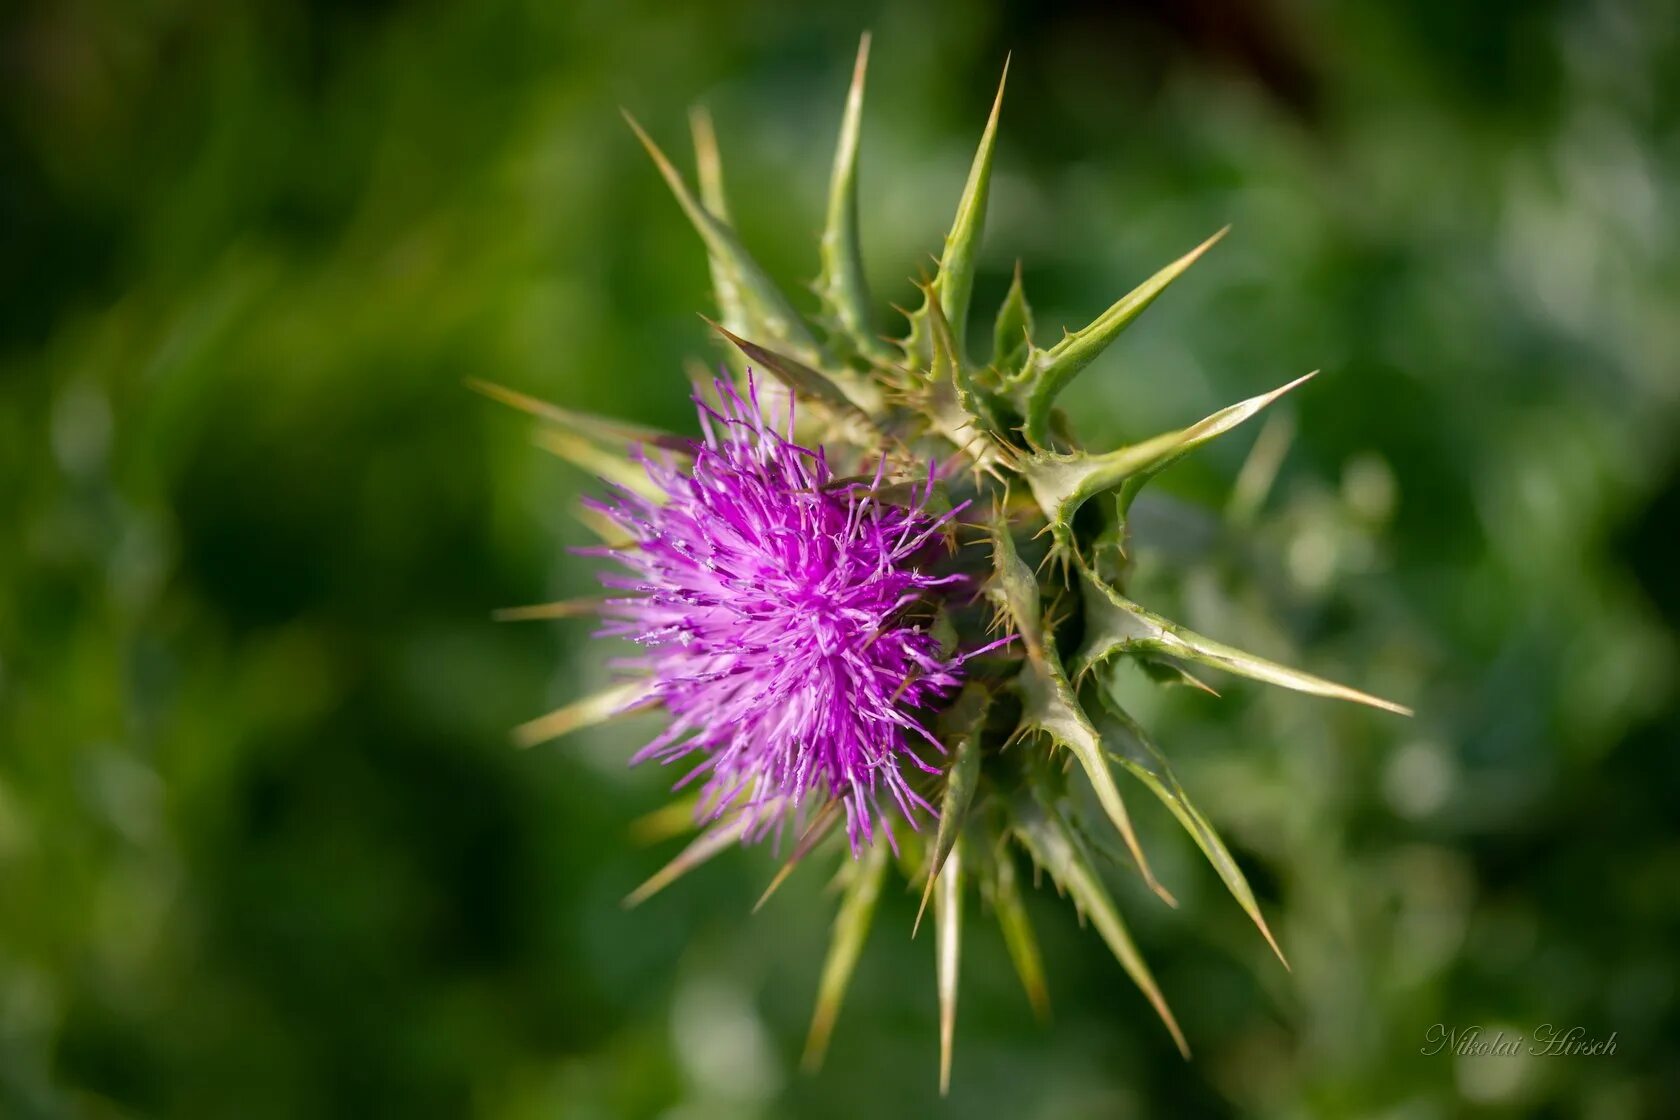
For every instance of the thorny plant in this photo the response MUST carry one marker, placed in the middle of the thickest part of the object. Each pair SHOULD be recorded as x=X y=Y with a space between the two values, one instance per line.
x=888 y=587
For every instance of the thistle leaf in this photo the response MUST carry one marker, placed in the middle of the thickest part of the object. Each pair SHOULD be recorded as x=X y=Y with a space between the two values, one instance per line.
x=944 y=366
x=1260 y=469
x=968 y=713
x=764 y=308
x=847 y=394
x=702 y=848
x=1116 y=625
x=1166 y=672
x=726 y=292
x=1018 y=937
x=602 y=429
x=1012 y=334
x=978 y=412
x=565 y=608
x=1050 y=371
x=674 y=818
x=841 y=283
x=851 y=928
x=1053 y=847
x=1012 y=588
x=610 y=466
x=947 y=920
x=1050 y=708
x=1134 y=750
x=620 y=699
x=1202 y=432
x=954 y=284
x=609 y=532
x=708 y=162
x=1063 y=483
x=1048 y=705
x=821 y=825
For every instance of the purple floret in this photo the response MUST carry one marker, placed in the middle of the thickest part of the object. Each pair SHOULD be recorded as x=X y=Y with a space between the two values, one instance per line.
x=785 y=623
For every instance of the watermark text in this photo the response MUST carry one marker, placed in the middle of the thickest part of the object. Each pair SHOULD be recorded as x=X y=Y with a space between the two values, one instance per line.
x=1545 y=1041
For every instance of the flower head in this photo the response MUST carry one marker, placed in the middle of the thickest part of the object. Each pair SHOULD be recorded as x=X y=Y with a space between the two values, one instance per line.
x=784 y=618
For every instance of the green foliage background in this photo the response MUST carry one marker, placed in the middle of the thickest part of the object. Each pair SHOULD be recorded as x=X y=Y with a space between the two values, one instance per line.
x=264 y=848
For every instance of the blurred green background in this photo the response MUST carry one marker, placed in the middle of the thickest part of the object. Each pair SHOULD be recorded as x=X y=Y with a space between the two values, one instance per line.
x=265 y=850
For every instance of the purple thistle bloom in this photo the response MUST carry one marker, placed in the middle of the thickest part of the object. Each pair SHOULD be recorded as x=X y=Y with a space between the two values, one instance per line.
x=779 y=614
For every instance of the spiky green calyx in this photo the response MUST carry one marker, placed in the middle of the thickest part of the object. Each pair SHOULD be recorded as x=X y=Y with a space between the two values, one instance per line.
x=1030 y=720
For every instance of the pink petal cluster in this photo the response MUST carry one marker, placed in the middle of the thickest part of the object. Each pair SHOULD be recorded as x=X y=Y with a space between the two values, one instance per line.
x=784 y=617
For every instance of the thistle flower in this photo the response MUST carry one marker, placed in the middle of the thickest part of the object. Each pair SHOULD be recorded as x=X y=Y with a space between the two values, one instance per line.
x=802 y=630
x=784 y=614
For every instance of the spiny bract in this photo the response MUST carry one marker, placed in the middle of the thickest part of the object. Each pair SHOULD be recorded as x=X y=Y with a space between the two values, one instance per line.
x=720 y=536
